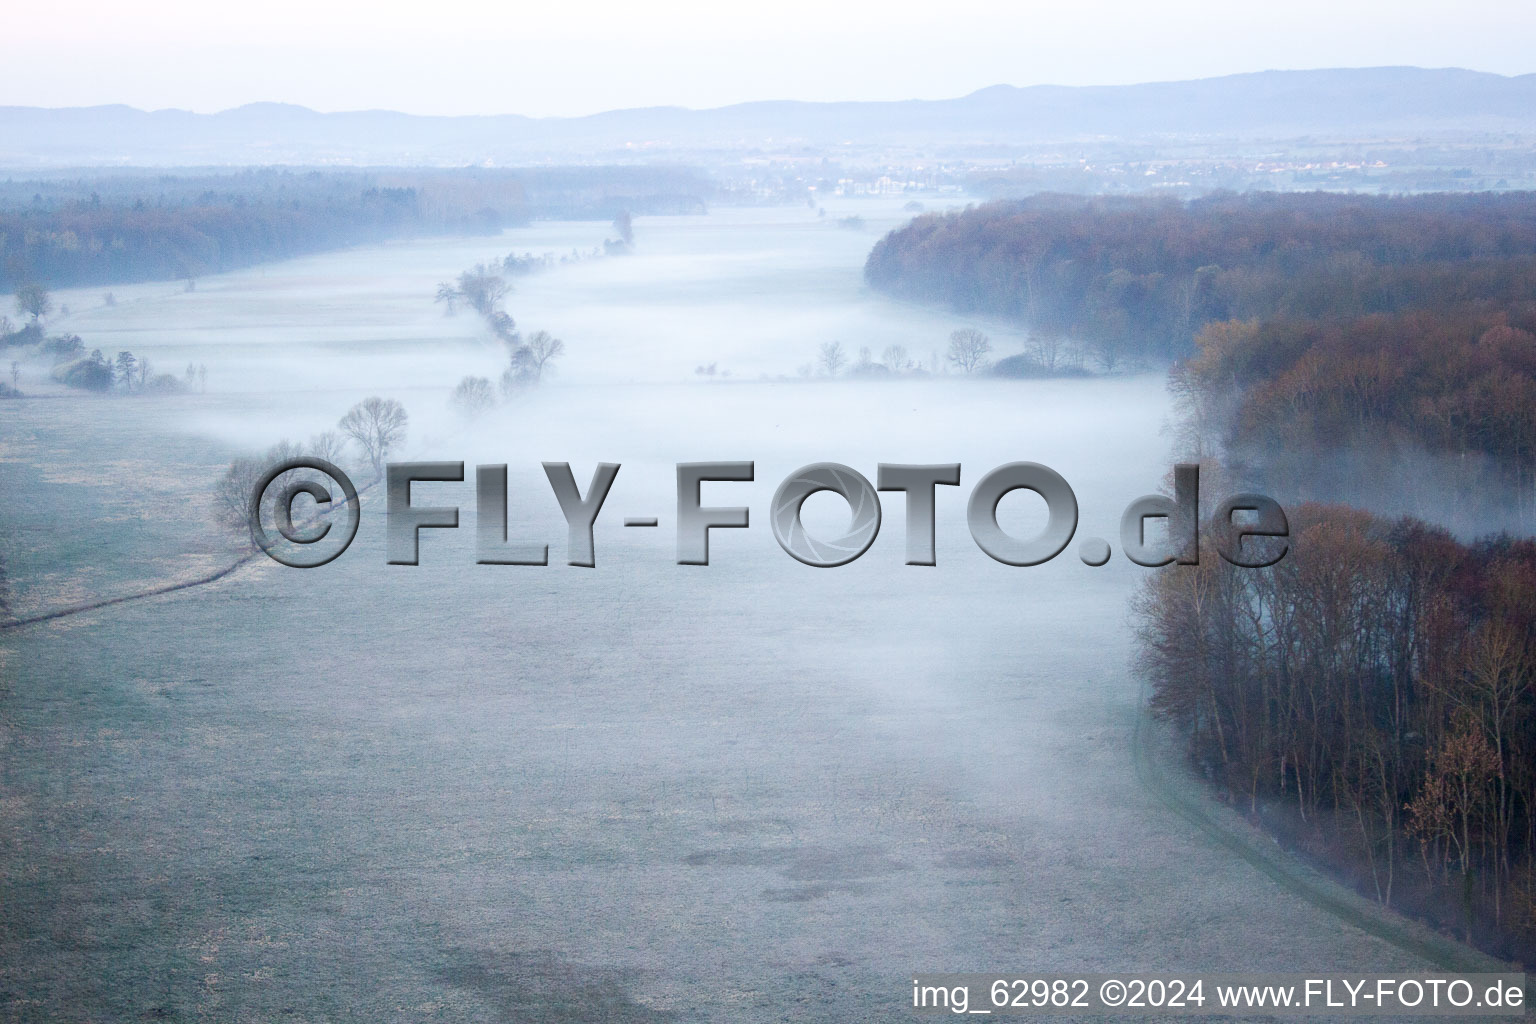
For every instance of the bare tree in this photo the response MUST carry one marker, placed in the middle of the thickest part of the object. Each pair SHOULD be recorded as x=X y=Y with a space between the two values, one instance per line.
x=542 y=348
x=236 y=488
x=328 y=445
x=378 y=426
x=895 y=358
x=473 y=396
x=526 y=362
x=32 y=300
x=518 y=374
x=1107 y=350
x=624 y=225
x=1045 y=349
x=968 y=349
x=483 y=288
x=504 y=327
x=832 y=358
x=233 y=493
x=126 y=364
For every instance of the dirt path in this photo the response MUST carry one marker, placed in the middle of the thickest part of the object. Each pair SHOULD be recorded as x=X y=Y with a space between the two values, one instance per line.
x=91 y=606
x=168 y=588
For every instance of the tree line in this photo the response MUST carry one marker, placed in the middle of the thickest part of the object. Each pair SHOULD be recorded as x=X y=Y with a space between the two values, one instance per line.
x=967 y=351
x=484 y=288
x=366 y=435
x=1137 y=278
x=1280 y=395
x=1374 y=696
x=137 y=226
x=74 y=367
x=1300 y=324
x=96 y=242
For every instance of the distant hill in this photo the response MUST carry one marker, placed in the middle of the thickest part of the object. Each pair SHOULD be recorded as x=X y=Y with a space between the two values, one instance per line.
x=1267 y=104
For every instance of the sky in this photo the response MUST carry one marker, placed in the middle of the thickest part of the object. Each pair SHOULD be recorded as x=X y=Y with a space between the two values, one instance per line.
x=571 y=58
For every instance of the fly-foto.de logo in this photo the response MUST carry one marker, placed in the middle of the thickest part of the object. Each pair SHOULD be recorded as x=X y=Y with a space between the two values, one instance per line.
x=308 y=533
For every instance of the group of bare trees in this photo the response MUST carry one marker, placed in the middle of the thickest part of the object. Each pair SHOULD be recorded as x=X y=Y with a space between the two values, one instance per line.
x=484 y=288
x=527 y=362
x=832 y=361
x=127 y=373
x=1378 y=684
x=33 y=302
x=968 y=350
x=830 y=358
x=373 y=428
x=376 y=425
x=523 y=265
x=967 y=353
x=135 y=374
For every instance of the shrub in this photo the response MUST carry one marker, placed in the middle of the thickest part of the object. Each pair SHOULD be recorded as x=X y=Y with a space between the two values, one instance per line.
x=164 y=384
x=86 y=374
x=28 y=335
x=63 y=347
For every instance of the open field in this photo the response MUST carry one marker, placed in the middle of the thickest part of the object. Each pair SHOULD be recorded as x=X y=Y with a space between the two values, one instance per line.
x=752 y=791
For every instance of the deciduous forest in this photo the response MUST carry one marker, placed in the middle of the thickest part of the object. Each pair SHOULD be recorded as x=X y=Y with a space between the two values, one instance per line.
x=1137 y=278
x=1372 y=697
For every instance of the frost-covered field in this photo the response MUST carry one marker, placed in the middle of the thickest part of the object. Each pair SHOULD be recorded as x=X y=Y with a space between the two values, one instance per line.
x=752 y=791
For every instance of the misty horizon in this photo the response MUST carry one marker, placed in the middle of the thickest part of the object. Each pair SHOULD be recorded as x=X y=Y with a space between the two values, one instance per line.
x=767 y=100
x=1338 y=108
x=602 y=55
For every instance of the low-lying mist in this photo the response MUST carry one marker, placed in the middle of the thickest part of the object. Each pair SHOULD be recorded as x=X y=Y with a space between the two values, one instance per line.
x=493 y=790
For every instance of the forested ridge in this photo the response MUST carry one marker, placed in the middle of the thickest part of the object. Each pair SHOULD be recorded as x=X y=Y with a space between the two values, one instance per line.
x=62 y=232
